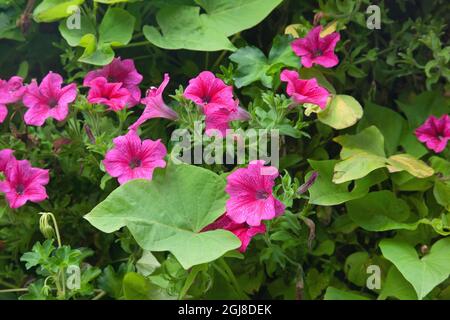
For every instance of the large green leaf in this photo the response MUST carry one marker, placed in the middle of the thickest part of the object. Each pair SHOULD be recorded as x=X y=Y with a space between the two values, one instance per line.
x=53 y=10
x=424 y=274
x=361 y=154
x=324 y=192
x=185 y=27
x=389 y=122
x=169 y=212
x=396 y=286
x=379 y=211
x=338 y=294
x=341 y=112
x=254 y=66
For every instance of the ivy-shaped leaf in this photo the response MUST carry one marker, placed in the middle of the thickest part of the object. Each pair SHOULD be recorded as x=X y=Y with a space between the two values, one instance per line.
x=169 y=212
x=424 y=274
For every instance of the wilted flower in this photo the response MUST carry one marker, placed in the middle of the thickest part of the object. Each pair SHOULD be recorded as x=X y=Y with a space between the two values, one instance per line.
x=48 y=100
x=155 y=107
x=132 y=158
x=314 y=49
x=435 y=132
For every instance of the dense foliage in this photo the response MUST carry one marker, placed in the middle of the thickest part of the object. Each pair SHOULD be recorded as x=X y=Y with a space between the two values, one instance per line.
x=95 y=204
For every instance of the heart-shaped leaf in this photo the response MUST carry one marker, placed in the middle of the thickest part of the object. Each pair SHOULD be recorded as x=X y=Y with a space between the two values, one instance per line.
x=53 y=10
x=424 y=274
x=169 y=212
x=185 y=27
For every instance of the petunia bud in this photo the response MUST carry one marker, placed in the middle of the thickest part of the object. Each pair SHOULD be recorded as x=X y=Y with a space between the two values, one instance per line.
x=304 y=187
x=45 y=225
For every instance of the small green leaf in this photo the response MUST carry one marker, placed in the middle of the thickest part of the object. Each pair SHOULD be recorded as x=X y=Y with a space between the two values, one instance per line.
x=341 y=112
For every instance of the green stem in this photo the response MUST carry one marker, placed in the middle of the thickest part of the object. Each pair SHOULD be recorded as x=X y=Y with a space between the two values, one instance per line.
x=232 y=278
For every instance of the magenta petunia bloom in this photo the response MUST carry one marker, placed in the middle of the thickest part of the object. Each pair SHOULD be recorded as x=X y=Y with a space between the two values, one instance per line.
x=48 y=100
x=112 y=95
x=6 y=155
x=12 y=90
x=304 y=91
x=316 y=50
x=208 y=91
x=132 y=158
x=251 y=199
x=3 y=112
x=218 y=117
x=435 y=133
x=24 y=183
x=120 y=71
x=155 y=107
x=243 y=231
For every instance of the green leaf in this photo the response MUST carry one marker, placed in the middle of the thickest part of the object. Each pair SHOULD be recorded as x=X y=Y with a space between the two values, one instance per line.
x=184 y=27
x=355 y=267
x=424 y=274
x=361 y=154
x=338 y=294
x=389 y=122
x=396 y=286
x=147 y=264
x=380 y=211
x=254 y=66
x=341 y=112
x=325 y=193
x=136 y=287
x=40 y=254
x=169 y=212
x=116 y=29
x=53 y=10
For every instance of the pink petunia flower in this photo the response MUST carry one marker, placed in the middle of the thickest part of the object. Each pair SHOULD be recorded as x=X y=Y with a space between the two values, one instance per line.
x=6 y=155
x=132 y=158
x=435 y=133
x=208 y=91
x=3 y=112
x=11 y=91
x=316 y=50
x=120 y=71
x=48 y=100
x=304 y=91
x=155 y=107
x=251 y=199
x=112 y=95
x=243 y=231
x=24 y=183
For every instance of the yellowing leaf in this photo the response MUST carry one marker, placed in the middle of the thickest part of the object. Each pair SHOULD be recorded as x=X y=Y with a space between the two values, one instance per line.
x=342 y=112
x=329 y=29
x=406 y=162
x=292 y=30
